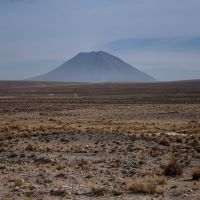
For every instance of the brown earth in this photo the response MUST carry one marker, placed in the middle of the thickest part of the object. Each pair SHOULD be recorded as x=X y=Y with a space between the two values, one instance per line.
x=99 y=141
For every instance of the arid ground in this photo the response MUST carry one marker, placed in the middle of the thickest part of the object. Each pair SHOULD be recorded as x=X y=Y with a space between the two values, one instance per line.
x=99 y=141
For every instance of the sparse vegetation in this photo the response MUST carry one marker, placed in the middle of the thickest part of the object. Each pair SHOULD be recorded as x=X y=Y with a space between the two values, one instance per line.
x=145 y=185
x=51 y=147
x=16 y=182
x=196 y=174
x=96 y=190
x=58 y=189
x=173 y=168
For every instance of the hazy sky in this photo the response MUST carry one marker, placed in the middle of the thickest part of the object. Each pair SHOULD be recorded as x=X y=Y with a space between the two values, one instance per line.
x=160 y=37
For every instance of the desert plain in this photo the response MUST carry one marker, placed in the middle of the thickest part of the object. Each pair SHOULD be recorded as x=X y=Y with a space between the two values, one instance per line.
x=99 y=141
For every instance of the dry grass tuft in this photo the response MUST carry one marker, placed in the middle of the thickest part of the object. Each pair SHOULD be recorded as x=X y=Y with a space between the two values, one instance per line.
x=58 y=189
x=145 y=185
x=96 y=190
x=16 y=182
x=196 y=174
x=173 y=168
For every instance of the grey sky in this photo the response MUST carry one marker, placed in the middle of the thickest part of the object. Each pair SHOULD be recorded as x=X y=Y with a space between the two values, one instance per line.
x=38 y=35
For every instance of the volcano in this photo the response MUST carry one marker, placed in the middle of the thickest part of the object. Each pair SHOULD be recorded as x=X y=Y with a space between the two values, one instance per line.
x=95 y=67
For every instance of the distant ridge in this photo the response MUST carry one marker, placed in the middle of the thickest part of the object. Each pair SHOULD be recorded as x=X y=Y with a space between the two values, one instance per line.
x=95 y=67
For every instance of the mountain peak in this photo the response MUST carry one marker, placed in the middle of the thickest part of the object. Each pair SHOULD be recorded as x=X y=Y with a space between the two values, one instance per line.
x=91 y=53
x=95 y=67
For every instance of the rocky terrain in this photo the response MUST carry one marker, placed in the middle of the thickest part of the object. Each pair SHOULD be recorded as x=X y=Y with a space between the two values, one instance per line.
x=100 y=141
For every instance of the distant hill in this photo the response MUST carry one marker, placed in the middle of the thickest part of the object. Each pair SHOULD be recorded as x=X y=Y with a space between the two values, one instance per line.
x=95 y=67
